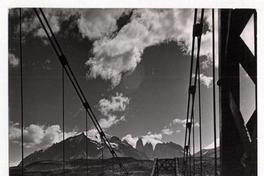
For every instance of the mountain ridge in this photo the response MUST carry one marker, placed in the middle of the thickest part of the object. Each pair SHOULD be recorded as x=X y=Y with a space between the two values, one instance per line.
x=75 y=149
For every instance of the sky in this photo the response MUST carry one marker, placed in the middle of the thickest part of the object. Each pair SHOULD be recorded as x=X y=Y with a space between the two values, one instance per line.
x=132 y=64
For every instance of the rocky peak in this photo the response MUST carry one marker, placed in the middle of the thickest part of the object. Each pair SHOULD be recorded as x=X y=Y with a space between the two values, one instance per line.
x=148 y=149
x=139 y=145
x=168 y=150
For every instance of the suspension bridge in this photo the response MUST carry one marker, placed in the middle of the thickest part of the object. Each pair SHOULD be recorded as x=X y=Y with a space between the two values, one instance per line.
x=238 y=139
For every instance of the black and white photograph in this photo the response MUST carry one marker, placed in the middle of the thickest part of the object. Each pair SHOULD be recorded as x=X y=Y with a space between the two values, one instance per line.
x=132 y=91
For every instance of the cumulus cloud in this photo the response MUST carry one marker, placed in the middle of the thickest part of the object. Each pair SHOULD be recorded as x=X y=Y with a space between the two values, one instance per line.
x=37 y=136
x=118 y=51
x=183 y=122
x=179 y=121
x=109 y=108
x=31 y=25
x=13 y=60
x=117 y=103
x=167 y=131
x=92 y=23
x=97 y=23
x=116 y=55
x=207 y=81
x=111 y=120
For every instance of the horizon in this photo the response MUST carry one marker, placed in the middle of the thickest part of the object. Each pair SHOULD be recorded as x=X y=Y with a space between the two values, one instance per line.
x=209 y=147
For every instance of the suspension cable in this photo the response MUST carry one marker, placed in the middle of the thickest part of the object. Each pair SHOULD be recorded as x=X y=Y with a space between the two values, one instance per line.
x=63 y=60
x=199 y=105
x=193 y=155
x=63 y=121
x=102 y=158
x=190 y=80
x=21 y=92
x=200 y=120
x=197 y=32
x=214 y=106
x=187 y=147
x=86 y=141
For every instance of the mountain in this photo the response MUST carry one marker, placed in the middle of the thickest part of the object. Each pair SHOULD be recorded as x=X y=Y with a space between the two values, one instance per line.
x=148 y=149
x=208 y=153
x=139 y=145
x=75 y=148
x=123 y=149
x=168 y=150
x=162 y=150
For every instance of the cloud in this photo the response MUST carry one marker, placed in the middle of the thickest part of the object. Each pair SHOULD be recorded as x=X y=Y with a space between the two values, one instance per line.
x=179 y=121
x=210 y=146
x=153 y=138
x=205 y=80
x=94 y=135
x=37 y=136
x=183 y=122
x=31 y=25
x=167 y=131
x=97 y=23
x=116 y=55
x=109 y=108
x=13 y=60
x=111 y=120
x=118 y=51
x=130 y=139
x=117 y=103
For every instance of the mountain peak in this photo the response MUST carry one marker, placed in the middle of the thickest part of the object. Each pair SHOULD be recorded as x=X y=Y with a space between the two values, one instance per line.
x=139 y=145
x=75 y=148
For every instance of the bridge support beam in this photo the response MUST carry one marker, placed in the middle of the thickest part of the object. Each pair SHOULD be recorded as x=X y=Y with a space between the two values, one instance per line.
x=238 y=139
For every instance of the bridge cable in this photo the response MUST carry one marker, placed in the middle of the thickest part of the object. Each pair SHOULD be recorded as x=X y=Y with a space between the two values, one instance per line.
x=63 y=121
x=193 y=156
x=200 y=120
x=102 y=158
x=187 y=147
x=86 y=141
x=190 y=79
x=197 y=32
x=21 y=91
x=63 y=60
x=214 y=104
x=197 y=77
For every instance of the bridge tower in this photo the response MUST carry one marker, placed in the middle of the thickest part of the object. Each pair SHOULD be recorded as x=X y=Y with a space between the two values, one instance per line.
x=238 y=137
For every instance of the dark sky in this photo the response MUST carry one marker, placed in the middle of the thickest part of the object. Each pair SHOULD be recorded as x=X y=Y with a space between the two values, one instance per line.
x=156 y=87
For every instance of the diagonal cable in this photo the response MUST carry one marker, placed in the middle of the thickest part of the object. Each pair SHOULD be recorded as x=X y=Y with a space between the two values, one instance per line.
x=63 y=60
